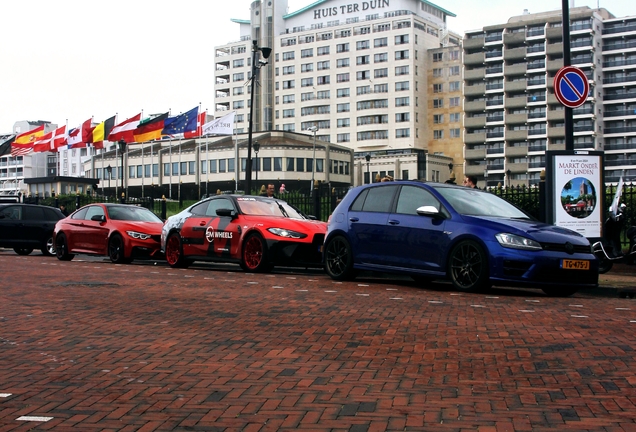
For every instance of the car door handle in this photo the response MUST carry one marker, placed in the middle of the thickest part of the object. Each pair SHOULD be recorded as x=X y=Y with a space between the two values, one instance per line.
x=394 y=222
x=353 y=219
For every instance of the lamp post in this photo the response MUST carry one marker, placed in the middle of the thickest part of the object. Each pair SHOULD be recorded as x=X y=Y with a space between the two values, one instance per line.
x=367 y=157
x=313 y=129
x=248 y=163
x=257 y=147
x=122 y=149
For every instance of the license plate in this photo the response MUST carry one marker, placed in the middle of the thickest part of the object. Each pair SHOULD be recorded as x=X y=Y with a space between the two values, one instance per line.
x=575 y=264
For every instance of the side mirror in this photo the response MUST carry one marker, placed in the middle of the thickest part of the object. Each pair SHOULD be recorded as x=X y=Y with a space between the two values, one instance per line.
x=429 y=211
x=99 y=218
x=226 y=212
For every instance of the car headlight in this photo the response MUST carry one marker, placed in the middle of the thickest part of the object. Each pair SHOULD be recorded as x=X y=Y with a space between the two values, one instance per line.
x=514 y=241
x=138 y=235
x=286 y=233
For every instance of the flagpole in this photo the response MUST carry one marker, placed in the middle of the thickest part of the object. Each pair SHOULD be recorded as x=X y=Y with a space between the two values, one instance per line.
x=179 y=190
x=237 y=165
x=170 y=169
x=116 y=171
x=142 y=163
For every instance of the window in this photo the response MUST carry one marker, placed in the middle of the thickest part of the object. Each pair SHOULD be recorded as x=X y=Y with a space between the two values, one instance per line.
x=363 y=75
x=278 y=164
x=438 y=72
x=453 y=70
x=290 y=164
x=381 y=73
x=323 y=65
x=307 y=67
x=454 y=101
x=438 y=57
x=438 y=134
x=290 y=84
x=288 y=55
x=322 y=51
x=438 y=88
x=402 y=86
x=438 y=103
x=453 y=86
x=344 y=137
x=238 y=76
x=325 y=94
x=306 y=53
x=363 y=90
x=403 y=133
x=403 y=101
x=344 y=122
x=322 y=80
x=307 y=82
x=380 y=42
x=362 y=60
x=438 y=118
x=238 y=104
x=402 y=117
x=288 y=99
x=402 y=39
x=288 y=70
x=340 y=48
x=453 y=55
x=238 y=63
x=362 y=45
x=342 y=63
x=344 y=77
x=455 y=133
x=376 y=199
x=454 y=117
x=238 y=91
x=288 y=113
x=344 y=92
x=402 y=55
x=345 y=107
x=222 y=165
x=380 y=88
x=401 y=70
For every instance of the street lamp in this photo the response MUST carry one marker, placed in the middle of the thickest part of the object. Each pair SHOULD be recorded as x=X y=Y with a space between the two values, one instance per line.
x=266 y=52
x=367 y=157
x=313 y=129
x=122 y=149
x=257 y=147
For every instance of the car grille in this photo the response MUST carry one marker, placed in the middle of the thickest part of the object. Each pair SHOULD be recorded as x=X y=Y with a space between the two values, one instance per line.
x=560 y=247
x=515 y=268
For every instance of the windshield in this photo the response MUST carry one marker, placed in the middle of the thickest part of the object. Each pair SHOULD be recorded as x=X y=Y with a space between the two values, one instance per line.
x=130 y=213
x=467 y=201
x=267 y=207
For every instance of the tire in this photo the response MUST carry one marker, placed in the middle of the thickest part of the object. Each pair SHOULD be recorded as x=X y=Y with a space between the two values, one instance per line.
x=116 y=250
x=48 y=248
x=174 y=252
x=468 y=267
x=61 y=248
x=339 y=259
x=254 y=255
x=559 y=291
x=23 y=251
x=604 y=264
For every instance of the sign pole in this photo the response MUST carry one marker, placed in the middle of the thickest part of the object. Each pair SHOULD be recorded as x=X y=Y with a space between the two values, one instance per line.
x=569 y=122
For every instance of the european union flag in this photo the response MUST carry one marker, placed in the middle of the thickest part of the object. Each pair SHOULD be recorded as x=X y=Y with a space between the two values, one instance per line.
x=186 y=122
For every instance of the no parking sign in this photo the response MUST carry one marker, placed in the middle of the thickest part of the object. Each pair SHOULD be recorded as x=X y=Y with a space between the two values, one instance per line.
x=571 y=86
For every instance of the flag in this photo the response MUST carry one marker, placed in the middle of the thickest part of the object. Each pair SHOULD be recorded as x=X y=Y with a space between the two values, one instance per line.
x=221 y=126
x=43 y=143
x=200 y=122
x=150 y=129
x=78 y=137
x=102 y=131
x=124 y=130
x=59 y=137
x=24 y=142
x=186 y=122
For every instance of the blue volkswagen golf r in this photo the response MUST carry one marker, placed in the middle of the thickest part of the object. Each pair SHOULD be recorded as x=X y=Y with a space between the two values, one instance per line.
x=439 y=231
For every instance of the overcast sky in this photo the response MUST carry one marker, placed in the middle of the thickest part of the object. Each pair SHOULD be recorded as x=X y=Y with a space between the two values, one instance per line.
x=67 y=61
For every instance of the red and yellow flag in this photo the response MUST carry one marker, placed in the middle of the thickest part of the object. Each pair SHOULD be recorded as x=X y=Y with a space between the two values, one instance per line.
x=23 y=143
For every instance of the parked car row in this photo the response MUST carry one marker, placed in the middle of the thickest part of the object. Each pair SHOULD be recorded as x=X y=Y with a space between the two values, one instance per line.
x=428 y=231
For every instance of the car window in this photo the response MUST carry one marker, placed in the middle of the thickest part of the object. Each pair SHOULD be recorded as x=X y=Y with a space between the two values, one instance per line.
x=80 y=213
x=359 y=201
x=468 y=201
x=51 y=215
x=219 y=203
x=11 y=212
x=200 y=209
x=412 y=197
x=33 y=213
x=379 y=199
x=132 y=213
x=94 y=211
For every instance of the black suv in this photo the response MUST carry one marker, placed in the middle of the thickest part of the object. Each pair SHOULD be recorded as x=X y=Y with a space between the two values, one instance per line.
x=25 y=227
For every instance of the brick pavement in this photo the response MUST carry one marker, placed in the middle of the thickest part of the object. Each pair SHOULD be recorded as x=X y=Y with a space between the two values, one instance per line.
x=97 y=346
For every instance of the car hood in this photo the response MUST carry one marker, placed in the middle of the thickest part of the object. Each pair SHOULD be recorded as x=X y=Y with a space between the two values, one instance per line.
x=300 y=225
x=539 y=231
x=144 y=227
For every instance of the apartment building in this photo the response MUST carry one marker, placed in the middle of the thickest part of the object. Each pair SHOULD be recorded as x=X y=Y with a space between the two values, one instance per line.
x=511 y=113
x=358 y=71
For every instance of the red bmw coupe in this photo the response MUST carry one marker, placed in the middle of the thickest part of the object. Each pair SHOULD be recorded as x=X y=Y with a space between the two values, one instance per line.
x=255 y=232
x=123 y=232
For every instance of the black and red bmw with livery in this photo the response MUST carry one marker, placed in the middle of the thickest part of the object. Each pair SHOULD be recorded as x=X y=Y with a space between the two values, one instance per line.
x=256 y=232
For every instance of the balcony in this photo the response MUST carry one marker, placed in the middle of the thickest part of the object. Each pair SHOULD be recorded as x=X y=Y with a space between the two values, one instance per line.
x=554 y=65
x=516 y=102
x=472 y=43
x=516 y=151
x=516 y=69
x=474 y=74
x=554 y=132
x=474 y=59
x=475 y=154
x=475 y=106
x=517 y=168
x=516 y=119
x=477 y=170
x=475 y=90
x=556 y=115
x=475 y=122
x=552 y=100
x=622 y=129
x=619 y=113
x=516 y=86
x=536 y=131
x=516 y=135
x=514 y=38
x=515 y=54
x=557 y=146
x=629 y=27
x=554 y=32
x=475 y=138
x=494 y=118
x=555 y=48
x=492 y=70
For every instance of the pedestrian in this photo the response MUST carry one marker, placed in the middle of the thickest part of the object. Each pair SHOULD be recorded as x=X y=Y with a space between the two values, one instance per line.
x=270 y=190
x=63 y=209
x=282 y=189
x=471 y=181
x=263 y=191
